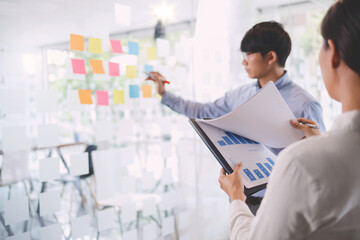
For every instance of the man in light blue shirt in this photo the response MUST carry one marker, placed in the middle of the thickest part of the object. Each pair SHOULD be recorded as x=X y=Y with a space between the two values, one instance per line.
x=266 y=47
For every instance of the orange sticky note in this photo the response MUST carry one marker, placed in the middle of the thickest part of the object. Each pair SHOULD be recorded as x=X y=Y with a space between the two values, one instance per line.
x=95 y=45
x=146 y=91
x=119 y=97
x=76 y=42
x=85 y=96
x=131 y=71
x=151 y=53
x=97 y=66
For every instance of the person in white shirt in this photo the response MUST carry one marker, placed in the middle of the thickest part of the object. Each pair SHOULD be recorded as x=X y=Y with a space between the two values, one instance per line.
x=314 y=189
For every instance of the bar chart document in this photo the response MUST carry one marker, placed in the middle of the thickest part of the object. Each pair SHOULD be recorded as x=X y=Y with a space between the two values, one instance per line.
x=265 y=118
x=230 y=149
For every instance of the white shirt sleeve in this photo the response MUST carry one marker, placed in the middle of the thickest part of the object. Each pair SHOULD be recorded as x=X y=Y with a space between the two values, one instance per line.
x=286 y=210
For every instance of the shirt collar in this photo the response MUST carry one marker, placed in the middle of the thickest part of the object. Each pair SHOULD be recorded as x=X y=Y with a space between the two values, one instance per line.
x=280 y=83
x=348 y=120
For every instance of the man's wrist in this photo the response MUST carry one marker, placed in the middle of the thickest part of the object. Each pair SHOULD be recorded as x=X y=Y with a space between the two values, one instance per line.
x=238 y=196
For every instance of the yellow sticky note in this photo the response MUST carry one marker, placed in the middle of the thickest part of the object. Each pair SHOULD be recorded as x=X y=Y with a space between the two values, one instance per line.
x=119 y=97
x=146 y=91
x=95 y=45
x=76 y=42
x=151 y=53
x=131 y=71
x=97 y=66
x=85 y=96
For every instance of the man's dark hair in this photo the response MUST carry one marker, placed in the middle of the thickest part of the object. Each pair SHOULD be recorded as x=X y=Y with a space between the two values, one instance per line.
x=342 y=25
x=265 y=37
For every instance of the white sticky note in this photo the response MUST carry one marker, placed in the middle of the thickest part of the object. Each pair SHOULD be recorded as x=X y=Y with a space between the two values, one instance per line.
x=128 y=212
x=166 y=148
x=79 y=164
x=50 y=202
x=49 y=169
x=181 y=75
x=16 y=210
x=148 y=181
x=125 y=129
x=21 y=236
x=168 y=226
x=184 y=220
x=48 y=136
x=103 y=131
x=149 y=207
x=73 y=100
x=12 y=101
x=166 y=176
x=52 y=232
x=106 y=219
x=15 y=166
x=128 y=185
x=130 y=235
x=150 y=231
x=185 y=237
x=168 y=201
x=47 y=101
x=122 y=14
x=80 y=226
x=14 y=138
x=163 y=48
x=179 y=53
x=164 y=70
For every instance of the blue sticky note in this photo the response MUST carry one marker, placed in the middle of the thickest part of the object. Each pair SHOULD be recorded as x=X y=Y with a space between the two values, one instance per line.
x=133 y=48
x=148 y=68
x=134 y=91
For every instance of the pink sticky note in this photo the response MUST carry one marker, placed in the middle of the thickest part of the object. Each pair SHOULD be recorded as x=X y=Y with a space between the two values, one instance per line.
x=78 y=66
x=114 y=69
x=116 y=46
x=102 y=98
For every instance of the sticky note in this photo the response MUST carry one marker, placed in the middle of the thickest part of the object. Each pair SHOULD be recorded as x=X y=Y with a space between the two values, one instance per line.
x=163 y=48
x=149 y=231
x=50 y=203
x=119 y=97
x=97 y=66
x=122 y=14
x=48 y=135
x=52 y=232
x=148 y=181
x=168 y=201
x=185 y=237
x=80 y=226
x=76 y=42
x=12 y=101
x=133 y=48
x=130 y=235
x=131 y=71
x=15 y=167
x=148 y=68
x=166 y=148
x=116 y=46
x=102 y=98
x=16 y=210
x=47 y=101
x=166 y=176
x=85 y=96
x=21 y=236
x=95 y=45
x=103 y=131
x=14 y=138
x=149 y=207
x=184 y=220
x=168 y=226
x=114 y=69
x=134 y=91
x=106 y=219
x=49 y=169
x=78 y=66
x=128 y=212
x=79 y=164
x=151 y=53
x=146 y=91
x=73 y=100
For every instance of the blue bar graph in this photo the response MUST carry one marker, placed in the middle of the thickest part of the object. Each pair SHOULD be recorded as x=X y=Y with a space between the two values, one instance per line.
x=249 y=174
x=263 y=169
x=257 y=172
x=228 y=141
x=231 y=136
x=248 y=140
x=221 y=143
x=268 y=166
x=240 y=139
x=270 y=161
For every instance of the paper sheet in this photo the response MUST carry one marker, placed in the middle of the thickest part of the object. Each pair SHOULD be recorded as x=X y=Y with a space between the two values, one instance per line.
x=15 y=167
x=80 y=226
x=16 y=210
x=47 y=101
x=48 y=136
x=130 y=235
x=163 y=48
x=106 y=219
x=149 y=207
x=103 y=131
x=14 y=138
x=122 y=14
x=148 y=181
x=79 y=164
x=150 y=231
x=50 y=202
x=12 y=101
x=184 y=220
x=20 y=236
x=128 y=212
x=52 y=232
x=168 y=226
x=49 y=169
x=264 y=118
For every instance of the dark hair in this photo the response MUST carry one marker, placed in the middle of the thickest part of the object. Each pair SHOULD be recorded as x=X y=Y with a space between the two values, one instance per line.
x=342 y=25
x=265 y=37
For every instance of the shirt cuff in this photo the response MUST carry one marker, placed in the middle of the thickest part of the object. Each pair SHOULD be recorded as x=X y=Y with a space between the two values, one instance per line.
x=166 y=97
x=238 y=206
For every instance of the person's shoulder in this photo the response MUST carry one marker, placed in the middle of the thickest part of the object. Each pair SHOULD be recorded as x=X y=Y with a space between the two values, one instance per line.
x=297 y=91
x=251 y=86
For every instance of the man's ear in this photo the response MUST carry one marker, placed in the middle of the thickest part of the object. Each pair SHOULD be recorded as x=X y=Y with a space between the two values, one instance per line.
x=271 y=57
x=334 y=54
